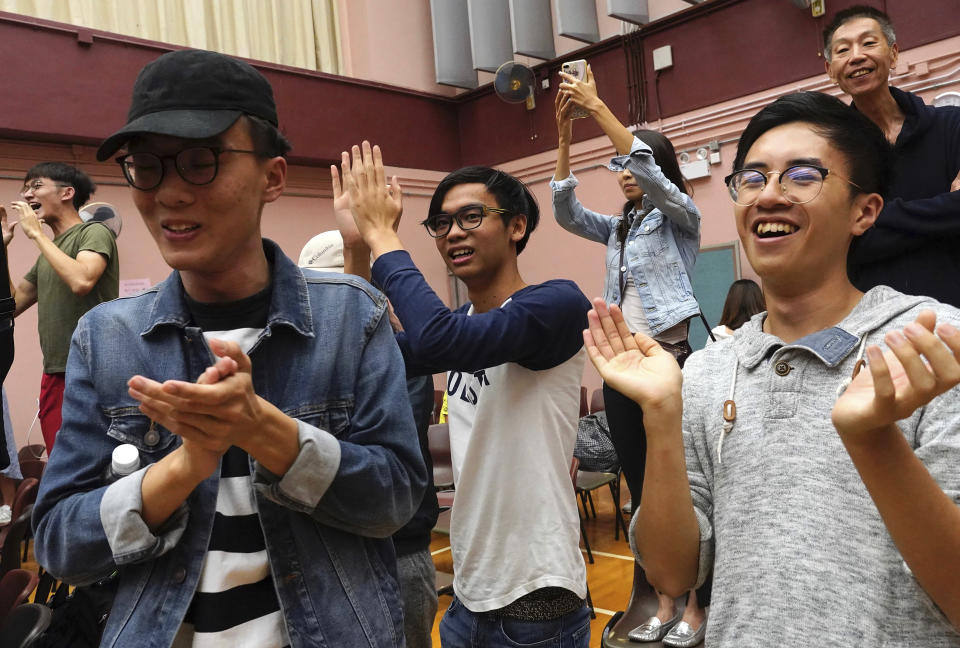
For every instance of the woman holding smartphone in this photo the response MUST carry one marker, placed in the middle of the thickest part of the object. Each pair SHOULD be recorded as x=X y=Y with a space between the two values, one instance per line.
x=651 y=249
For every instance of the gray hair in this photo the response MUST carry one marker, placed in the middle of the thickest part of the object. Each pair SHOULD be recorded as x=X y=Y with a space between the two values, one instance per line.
x=852 y=13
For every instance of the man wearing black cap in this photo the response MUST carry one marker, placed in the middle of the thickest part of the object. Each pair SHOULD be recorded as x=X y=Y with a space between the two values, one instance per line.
x=269 y=485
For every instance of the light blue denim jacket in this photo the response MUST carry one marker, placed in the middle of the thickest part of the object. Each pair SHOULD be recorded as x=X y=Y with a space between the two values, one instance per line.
x=327 y=358
x=662 y=243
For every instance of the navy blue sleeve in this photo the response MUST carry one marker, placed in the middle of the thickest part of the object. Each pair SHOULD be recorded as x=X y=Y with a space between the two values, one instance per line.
x=907 y=224
x=541 y=327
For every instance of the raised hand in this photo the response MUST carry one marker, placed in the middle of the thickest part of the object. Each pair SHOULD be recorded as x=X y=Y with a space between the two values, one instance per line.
x=29 y=222
x=341 y=206
x=922 y=363
x=376 y=206
x=634 y=365
x=563 y=108
x=582 y=93
x=6 y=226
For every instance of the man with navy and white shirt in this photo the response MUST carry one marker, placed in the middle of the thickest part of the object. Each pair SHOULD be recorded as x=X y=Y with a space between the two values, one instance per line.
x=514 y=357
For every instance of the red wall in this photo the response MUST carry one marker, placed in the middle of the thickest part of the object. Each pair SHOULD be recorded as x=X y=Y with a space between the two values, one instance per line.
x=730 y=48
x=63 y=90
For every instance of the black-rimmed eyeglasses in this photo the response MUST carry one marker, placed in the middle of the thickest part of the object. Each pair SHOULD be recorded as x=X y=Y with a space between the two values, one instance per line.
x=800 y=183
x=467 y=218
x=197 y=165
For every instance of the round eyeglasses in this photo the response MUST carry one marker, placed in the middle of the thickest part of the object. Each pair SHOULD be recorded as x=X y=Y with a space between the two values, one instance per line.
x=197 y=165
x=800 y=183
x=36 y=185
x=467 y=218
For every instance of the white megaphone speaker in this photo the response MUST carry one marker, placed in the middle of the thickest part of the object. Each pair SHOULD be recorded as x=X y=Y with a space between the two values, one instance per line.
x=514 y=83
x=101 y=212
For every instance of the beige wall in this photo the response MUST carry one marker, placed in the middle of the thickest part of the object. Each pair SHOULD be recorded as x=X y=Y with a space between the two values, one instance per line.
x=304 y=210
x=392 y=42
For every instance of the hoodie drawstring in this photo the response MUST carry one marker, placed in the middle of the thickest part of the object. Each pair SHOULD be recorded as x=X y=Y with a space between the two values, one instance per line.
x=729 y=411
x=730 y=407
x=857 y=366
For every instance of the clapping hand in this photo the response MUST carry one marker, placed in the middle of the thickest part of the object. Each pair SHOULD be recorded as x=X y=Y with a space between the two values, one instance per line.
x=633 y=364
x=6 y=226
x=922 y=363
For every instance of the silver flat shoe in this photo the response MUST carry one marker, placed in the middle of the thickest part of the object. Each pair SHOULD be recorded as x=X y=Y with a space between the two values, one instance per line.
x=653 y=629
x=683 y=636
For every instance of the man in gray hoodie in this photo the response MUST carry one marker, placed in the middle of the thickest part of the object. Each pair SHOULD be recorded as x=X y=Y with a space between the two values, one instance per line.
x=823 y=497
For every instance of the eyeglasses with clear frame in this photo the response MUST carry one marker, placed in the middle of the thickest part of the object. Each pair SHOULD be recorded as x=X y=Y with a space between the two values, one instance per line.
x=197 y=165
x=467 y=217
x=800 y=183
x=33 y=185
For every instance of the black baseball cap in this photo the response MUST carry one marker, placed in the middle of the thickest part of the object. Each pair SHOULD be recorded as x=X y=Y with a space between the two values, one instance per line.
x=192 y=94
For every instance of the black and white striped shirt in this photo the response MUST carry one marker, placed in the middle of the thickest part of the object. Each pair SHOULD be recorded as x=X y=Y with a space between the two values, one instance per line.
x=235 y=603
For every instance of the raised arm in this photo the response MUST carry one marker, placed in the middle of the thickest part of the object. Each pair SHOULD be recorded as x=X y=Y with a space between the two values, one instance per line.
x=635 y=156
x=922 y=519
x=356 y=253
x=563 y=107
x=80 y=274
x=376 y=205
x=667 y=533
x=584 y=94
x=570 y=214
x=905 y=225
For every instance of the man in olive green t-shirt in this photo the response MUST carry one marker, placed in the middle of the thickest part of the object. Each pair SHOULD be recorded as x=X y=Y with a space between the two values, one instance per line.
x=76 y=270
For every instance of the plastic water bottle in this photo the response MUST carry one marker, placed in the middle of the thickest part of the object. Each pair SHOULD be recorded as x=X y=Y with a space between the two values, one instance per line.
x=124 y=461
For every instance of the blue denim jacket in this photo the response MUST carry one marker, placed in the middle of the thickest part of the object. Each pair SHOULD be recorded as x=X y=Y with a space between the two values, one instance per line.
x=327 y=358
x=661 y=246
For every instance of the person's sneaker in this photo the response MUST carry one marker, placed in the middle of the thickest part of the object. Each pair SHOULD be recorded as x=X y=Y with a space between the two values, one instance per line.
x=628 y=507
x=5 y=514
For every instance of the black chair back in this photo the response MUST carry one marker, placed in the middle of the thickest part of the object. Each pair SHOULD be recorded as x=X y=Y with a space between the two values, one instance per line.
x=24 y=625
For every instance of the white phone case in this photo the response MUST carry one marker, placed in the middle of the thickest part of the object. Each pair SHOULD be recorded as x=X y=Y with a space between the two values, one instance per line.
x=578 y=70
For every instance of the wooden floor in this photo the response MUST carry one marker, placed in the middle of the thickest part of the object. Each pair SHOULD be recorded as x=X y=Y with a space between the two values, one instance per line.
x=609 y=577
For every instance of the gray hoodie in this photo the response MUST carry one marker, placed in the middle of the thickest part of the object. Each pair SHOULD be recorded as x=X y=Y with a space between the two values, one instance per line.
x=799 y=552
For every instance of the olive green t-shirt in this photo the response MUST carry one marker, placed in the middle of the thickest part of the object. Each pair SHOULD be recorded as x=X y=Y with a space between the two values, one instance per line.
x=58 y=309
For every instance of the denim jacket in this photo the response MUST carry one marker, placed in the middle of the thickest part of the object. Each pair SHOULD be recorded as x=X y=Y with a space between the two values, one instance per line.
x=661 y=246
x=327 y=358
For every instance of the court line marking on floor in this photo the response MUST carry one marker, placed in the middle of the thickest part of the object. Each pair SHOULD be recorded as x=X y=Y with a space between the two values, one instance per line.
x=440 y=551
x=608 y=555
x=602 y=611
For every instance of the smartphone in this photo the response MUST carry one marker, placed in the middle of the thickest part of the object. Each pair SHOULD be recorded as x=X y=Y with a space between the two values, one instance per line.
x=578 y=70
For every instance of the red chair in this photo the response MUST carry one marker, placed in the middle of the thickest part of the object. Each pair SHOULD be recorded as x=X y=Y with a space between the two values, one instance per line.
x=437 y=405
x=10 y=539
x=15 y=587
x=32 y=468
x=438 y=439
x=596 y=401
x=33 y=451
x=26 y=495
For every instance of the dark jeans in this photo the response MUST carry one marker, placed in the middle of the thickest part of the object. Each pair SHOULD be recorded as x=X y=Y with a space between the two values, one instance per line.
x=461 y=628
x=625 y=419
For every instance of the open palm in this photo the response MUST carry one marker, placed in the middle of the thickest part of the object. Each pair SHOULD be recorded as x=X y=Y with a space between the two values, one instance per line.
x=634 y=365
